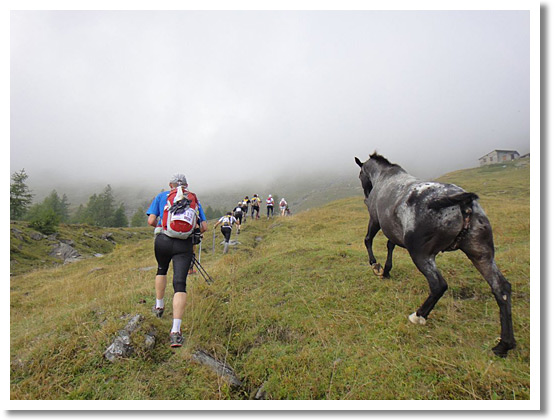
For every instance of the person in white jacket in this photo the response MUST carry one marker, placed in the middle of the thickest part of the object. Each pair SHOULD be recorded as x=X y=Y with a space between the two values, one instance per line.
x=269 y=206
x=283 y=205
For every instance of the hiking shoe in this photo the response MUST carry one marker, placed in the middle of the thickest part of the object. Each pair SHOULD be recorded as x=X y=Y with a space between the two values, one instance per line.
x=177 y=339
x=157 y=311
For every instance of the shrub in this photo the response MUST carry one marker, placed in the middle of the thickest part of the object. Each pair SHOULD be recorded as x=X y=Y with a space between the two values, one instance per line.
x=43 y=219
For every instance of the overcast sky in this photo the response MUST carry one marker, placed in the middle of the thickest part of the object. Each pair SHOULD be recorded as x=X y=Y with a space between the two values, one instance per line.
x=230 y=96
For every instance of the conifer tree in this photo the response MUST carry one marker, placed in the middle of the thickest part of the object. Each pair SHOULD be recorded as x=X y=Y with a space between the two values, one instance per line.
x=43 y=218
x=20 y=195
x=58 y=205
x=46 y=216
x=79 y=215
x=209 y=212
x=139 y=218
x=91 y=211
x=100 y=209
x=107 y=205
x=119 y=217
x=64 y=209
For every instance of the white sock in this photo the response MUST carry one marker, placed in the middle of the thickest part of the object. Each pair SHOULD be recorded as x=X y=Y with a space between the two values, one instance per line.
x=159 y=303
x=176 y=325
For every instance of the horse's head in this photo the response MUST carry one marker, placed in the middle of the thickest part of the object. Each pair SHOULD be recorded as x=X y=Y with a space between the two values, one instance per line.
x=372 y=168
x=364 y=178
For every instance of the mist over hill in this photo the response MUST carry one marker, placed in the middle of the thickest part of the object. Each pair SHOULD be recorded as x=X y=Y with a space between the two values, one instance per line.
x=302 y=190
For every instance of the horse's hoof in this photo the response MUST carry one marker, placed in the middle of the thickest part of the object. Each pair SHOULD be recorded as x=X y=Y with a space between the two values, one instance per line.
x=415 y=319
x=501 y=350
x=377 y=269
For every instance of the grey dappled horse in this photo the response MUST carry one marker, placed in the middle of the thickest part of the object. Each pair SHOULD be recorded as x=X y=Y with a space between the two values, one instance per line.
x=427 y=218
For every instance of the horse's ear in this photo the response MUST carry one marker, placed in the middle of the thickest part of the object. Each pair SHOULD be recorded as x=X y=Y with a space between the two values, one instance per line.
x=358 y=162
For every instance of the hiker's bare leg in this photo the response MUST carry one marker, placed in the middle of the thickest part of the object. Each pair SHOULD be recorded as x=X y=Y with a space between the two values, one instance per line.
x=161 y=282
x=179 y=303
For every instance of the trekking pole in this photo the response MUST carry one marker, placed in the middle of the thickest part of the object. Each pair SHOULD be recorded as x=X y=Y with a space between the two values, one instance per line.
x=202 y=271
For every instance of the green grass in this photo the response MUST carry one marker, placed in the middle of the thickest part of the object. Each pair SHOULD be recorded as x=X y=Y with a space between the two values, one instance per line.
x=27 y=253
x=294 y=307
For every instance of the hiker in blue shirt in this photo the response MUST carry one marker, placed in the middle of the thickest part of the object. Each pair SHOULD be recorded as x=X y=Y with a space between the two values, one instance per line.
x=180 y=251
x=155 y=212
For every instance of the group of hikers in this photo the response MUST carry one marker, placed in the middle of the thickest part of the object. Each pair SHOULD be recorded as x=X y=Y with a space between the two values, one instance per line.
x=179 y=221
x=239 y=214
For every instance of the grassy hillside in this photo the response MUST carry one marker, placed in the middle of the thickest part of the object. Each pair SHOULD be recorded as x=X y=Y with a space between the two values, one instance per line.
x=30 y=249
x=294 y=310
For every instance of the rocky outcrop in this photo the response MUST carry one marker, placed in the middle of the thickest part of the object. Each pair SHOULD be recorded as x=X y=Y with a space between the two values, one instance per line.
x=222 y=369
x=122 y=344
x=36 y=236
x=109 y=237
x=18 y=234
x=65 y=252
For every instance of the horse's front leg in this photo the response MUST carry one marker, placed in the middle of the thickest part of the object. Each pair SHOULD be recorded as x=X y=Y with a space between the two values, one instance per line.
x=373 y=228
x=389 y=261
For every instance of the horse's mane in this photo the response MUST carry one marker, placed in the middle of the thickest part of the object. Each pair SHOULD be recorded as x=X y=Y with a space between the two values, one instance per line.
x=382 y=160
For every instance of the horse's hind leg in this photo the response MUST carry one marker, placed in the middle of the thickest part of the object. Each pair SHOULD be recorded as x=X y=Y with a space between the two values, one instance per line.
x=373 y=228
x=438 y=286
x=501 y=289
x=389 y=262
x=478 y=245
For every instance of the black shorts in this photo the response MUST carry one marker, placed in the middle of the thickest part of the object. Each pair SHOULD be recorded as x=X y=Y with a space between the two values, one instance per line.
x=239 y=217
x=226 y=231
x=180 y=251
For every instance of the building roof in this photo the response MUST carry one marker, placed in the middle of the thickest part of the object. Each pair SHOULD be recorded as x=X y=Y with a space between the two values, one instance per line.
x=499 y=150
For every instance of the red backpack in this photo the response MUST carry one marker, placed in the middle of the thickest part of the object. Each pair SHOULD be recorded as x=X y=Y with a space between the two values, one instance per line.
x=180 y=214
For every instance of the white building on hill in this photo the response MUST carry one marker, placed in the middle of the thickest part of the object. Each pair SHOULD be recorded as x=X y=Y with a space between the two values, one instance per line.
x=497 y=156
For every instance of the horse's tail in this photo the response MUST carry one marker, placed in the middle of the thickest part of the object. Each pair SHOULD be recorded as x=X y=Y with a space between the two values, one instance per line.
x=462 y=199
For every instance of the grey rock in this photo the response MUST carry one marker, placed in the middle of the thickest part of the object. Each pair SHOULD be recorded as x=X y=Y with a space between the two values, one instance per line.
x=108 y=237
x=149 y=342
x=222 y=369
x=231 y=242
x=18 y=234
x=73 y=259
x=122 y=344
x=36 y=236
x=153 y=267
x=64 y=252
x=134 y=323
x=119 y=348
x=261 y=393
